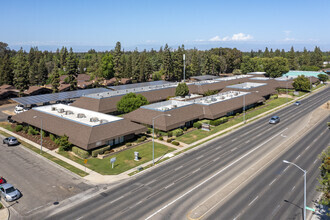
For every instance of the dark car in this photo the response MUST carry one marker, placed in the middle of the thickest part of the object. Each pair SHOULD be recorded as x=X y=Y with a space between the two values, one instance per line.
x=9 y=119
x=274 y=120
x=10 y=141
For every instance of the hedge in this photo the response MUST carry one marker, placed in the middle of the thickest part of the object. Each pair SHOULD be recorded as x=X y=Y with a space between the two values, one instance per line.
x=100 y=151
x=197 y=125
x=177 y=132
x=18 y=128
x=80 y=152
x=219 y=121
x=175 y=143
x=160 y=138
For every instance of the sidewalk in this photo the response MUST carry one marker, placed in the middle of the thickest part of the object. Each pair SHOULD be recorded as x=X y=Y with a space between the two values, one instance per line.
x=4 y=213
x=96 y=178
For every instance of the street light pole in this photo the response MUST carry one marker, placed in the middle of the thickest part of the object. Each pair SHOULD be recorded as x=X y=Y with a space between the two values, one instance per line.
x=184 y=67
x=40 y=133
x=305 y=174
x=153 y=136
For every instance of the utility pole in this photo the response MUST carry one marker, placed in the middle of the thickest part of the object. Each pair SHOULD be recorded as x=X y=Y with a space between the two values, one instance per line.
x=184 y=67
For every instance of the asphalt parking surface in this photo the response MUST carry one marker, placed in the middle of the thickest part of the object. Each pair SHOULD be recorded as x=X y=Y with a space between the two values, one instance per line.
x=41 y=183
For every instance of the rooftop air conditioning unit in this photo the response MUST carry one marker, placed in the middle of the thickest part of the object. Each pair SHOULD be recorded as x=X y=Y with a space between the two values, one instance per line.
x=213 y=99
x=60 y=110
x=236 y=93
x=81 y=115
x=222 y=97
x=53 y=108
x=69 y=112
x=94 y=119
x=174 y=106
x=102 y=121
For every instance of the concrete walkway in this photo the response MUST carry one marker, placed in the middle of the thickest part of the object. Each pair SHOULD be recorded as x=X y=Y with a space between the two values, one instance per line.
x=96 y=178
x=4 y=213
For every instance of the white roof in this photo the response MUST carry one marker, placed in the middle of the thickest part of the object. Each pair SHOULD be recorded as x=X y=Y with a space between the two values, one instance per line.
x=79 y=115
x=166 y=105
x=247 y=85
x=220 y=97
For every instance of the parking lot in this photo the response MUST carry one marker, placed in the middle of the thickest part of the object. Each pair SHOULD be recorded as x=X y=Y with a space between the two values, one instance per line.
x=41 y=183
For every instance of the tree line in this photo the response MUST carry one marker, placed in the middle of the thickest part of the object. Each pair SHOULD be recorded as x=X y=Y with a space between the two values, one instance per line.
x=23 y=69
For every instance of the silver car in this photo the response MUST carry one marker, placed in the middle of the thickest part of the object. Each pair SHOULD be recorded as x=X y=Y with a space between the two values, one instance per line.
x=10 y=141
x=274 y=120
x=9 y=193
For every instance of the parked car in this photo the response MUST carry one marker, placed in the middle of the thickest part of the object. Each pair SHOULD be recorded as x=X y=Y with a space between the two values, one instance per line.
x=9 y=193
x=274 y=120
x=19 y=107
x=17 y=111
x=10 y=141
x=9 y=119
x=2 y=180
x=297 y=103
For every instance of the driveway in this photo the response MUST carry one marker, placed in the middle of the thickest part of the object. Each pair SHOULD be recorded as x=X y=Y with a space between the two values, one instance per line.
x=41 y=182
x=6 y=110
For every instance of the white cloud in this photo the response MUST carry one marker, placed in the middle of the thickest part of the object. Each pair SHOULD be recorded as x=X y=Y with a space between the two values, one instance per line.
x=235 y=37
x=287 y=32
x=289 y=39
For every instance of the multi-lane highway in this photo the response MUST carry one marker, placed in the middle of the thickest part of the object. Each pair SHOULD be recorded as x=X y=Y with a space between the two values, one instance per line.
x=172 y=190
x=277 y=192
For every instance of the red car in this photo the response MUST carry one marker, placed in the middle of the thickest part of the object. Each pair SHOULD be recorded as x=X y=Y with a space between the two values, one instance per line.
x=2 y=180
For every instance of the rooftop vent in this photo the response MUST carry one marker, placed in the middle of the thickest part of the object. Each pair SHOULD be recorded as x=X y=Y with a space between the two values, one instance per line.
x=102 y=121
x=69 y=112
x=81 y=115
x=53 y=108
x=60 y=110
x=213 y=99
x=94 y=119
x=222 y=97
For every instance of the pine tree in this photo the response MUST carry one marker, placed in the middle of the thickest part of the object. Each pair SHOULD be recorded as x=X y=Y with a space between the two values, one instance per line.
x=63 y=57
x=107 y=66
x=42 y=72
x=283 y=53
x=277 y=53
x=292 y=59
x=33 y=73
x=266 y=53
x=72 y=69
x=316 y=59
x=305 y=58
x=128 y=69
x=55 y=79
x=6 y=70
x=207 y=65
x=118 y=66
x=21 y=72
x=271 y=53
x=167 y=63
x=194 y=66
x=178 y=64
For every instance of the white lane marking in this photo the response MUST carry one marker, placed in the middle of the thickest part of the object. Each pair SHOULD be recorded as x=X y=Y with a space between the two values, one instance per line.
x=234 y=139
x=169 y=185
x=80 y=218
x=253 y=200
x=247 y=141
x=116 y=199
x=293 y=188
x=275 y=210
x=272 y=182
x=199 y=157
x=298 y=156
x=217 y=148
x=152 y=181
x=214 y=175
x=178 y=168
x=196 y=170
x=282 y=135
x=315 y=161
x=216 y=159
x=233 y=149
x=285 y=169
x=138 y=203
x=308 y=147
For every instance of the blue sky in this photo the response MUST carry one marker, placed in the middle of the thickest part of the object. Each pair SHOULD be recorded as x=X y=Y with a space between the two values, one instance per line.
x=99 y=24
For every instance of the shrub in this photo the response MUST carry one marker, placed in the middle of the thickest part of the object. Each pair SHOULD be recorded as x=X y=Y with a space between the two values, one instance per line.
x=169 y=140
x=63 y=141
x=185 y=128
x=149 y=131
x=177 y=132
x=25 y=129
x=160 y=138
x=52 y=137
x=80 y=152
x=128 y=144
x=32 y=131
x=143 y=138
x=0 y=206
x=100 y=150
x=197 y=125
x=169 y=134
x=18 y=128
x=175 y=143
x=44 y=134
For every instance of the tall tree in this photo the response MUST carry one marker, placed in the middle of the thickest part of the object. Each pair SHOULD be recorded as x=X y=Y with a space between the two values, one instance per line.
x=6 y=70
x=266 y=53
x=21 y=72
x=222 y=64
x=305 y=58
x=118 y=65
x=42 y=72
x=178 y=64
x=292 y=59
x=55 y=79
x=195 y=64
x=107 y=66
x=72 y=69
x=167 y=63
x=316 y=59
x=33 y=73
x=207 y=67
x=63 y=57
x=277 y=53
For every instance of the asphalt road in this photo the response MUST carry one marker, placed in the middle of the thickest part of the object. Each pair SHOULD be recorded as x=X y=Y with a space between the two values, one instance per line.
x=171 y=190
x=277 y=192
x=40 y=182
x=9 y=107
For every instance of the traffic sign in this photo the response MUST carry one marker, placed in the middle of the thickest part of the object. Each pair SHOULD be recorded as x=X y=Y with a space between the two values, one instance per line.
x=112 y=161
x=85 y=161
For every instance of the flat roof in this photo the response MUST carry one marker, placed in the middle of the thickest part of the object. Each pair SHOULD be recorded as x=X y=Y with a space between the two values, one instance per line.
x=29 y=100
x=285 y=78
x=246 y=85
x=137 y=85
x=190 y=96
x=305 y=73
x=232 y=77
x=109 y=94
x=166 y=105
x=78 y=115
x=257 y=73
x=204 y=77
x=220 y=97
x=260 y=78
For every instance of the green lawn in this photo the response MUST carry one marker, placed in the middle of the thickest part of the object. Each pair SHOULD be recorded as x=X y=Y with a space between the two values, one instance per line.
x=196 y=135
x=125 y=159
